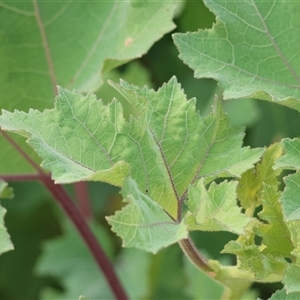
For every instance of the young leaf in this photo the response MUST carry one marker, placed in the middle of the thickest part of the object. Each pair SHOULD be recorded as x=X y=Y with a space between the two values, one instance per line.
x=276 y=234
x=5 y=242
x=250 y=50
x=168 y=146
x=265 y=267
x=215 y=209
x=143 y=223
x=251 y=182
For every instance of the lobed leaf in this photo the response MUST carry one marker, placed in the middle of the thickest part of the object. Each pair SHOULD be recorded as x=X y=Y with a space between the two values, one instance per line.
x=251 y=50
x=168 y=146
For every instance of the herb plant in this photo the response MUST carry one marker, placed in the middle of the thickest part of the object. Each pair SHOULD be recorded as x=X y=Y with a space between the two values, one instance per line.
x=179 y=171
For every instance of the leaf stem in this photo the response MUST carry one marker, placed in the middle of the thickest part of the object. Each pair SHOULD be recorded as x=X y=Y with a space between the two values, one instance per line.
x=195 y=256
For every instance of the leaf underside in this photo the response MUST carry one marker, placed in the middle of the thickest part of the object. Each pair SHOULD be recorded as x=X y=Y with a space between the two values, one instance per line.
x=165 y=148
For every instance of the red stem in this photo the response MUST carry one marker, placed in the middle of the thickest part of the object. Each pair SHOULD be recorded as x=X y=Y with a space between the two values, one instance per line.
x=78 y=220
x=82 y=194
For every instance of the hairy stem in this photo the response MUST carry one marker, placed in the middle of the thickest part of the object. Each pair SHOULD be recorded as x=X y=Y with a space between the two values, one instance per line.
x=195 y=256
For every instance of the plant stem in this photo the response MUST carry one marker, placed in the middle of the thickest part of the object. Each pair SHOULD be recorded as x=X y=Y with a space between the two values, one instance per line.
x=20 y=177
x=77 y=219
x=82 y=195
x=195 y=256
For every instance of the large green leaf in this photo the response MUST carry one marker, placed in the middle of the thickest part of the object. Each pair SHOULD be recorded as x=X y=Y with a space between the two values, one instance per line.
x=5 y=242
x=251 y=50
x=70 y=43
x=168 y=146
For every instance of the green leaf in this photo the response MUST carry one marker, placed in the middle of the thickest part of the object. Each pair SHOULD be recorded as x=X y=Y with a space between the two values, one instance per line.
x=215 y=209
x=136 y=283
x=283 y=295
x=143 y=223
x=251 y=182
x=168 y=146
x=289 y=200
x=69 y=43
x=276 y=234
x=249 y=51
x=197 y=280
x=291 y=279
x=5 y=242
x=5 y=191
x=265 y=267
x=73 y=265
x=294 y=227
x=291 y=158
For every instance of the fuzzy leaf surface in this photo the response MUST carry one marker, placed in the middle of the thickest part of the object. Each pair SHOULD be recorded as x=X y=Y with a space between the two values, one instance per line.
x=252 y=50
x=68 y=43
x=215 y=209
x=165 y=148
x=5 y=242
x=143 y=224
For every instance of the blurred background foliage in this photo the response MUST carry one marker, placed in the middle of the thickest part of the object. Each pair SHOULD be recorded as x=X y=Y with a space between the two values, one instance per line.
x=50 y=260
